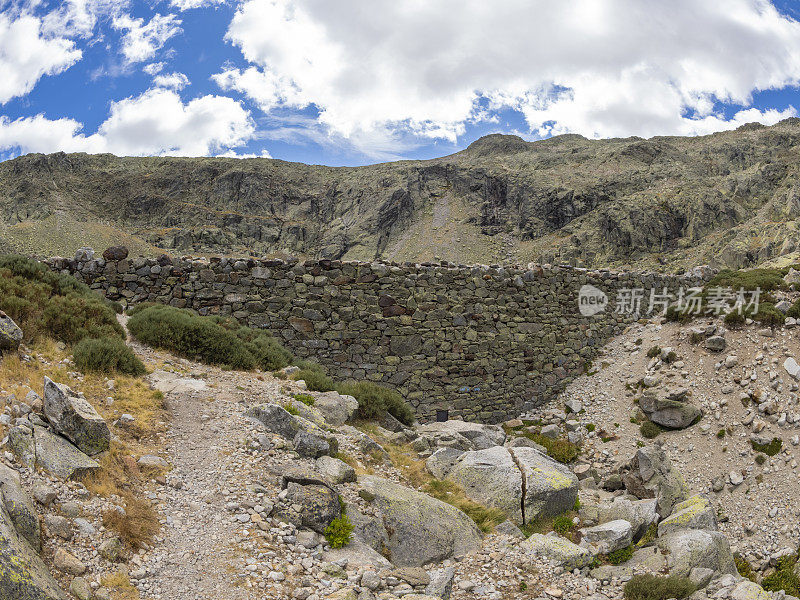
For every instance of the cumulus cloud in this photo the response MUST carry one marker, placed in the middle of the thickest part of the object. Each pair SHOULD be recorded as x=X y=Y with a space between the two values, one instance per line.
x=27 y=54
x=141 y=39
x=175 y=81
x=156 y=122
x=596 y=67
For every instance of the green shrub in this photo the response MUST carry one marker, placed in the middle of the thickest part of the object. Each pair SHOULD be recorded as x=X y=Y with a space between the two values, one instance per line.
x=784 y=577
x=316 y=381
x=721 y=433
x=794 y=310
x=213 y=340
x=653 y=587
x=768 y=315
x=339 y=531
x=734 y=319
x=649 y=430
x=563 y=524
x=558 y=449
x=137 y=308
x=48 y=304
x=744 y=568
x=770 y=449
x=765 y=279
x=681 y=316
x=622 y=555
x=760 y=459
x=374 y=401
x=106 y=355
x=654 y=351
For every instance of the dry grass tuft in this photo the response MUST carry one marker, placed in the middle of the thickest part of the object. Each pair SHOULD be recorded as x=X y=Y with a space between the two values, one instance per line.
x=138 y=525
x=120 y=586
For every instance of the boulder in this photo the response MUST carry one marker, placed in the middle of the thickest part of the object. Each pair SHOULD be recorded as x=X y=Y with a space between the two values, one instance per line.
x=19 y=507
x=319 y=505
x=610 y=536
x=716 y=343
x=419 y=528
x=23 y=574
x=275 y=419
x=115 y=253
x=84 y=254
x=334 y=470
x=639 y=513
x=747 y=590
x=463 y=435
x=508 y=528
x=440 y=463
x=558 y=549
x=20 y=440
x=357 y=554
x=10 y=334
x=673 y=414
x=492 y=478
x=649 y=474
x=74 y=418
x=694 y=513
x=550 y=487
x=441 y=583
x=690 y=548
x=309 y=445
x=59 y=457
x=337 y=409
x=302 y=475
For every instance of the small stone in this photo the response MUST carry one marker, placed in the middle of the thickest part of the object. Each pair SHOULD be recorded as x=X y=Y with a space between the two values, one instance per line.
x=66 y=562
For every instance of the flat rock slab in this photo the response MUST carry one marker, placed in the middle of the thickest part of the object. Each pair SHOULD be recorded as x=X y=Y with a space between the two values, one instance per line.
x=166 y=382
x=59 y=457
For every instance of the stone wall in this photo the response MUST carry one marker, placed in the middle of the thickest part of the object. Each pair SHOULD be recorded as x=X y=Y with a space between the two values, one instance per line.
x=482 y=342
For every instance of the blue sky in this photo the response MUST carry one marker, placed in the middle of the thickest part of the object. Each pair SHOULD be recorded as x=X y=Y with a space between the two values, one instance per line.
x=347 y=82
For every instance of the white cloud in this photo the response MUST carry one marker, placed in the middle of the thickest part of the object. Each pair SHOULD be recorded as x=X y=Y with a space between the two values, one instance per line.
x=156 y=122
x=190 y=4
x=234 y=154
x=153 y=68
x=175 y=81
x=79 y=17
x=141 y=40
x=596 y=67
x=27 y=54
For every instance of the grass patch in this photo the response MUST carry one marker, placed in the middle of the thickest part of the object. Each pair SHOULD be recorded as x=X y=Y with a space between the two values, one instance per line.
x=622 y=555
x=653 y=587
x=563 y=525
x=770 y=449
x=744 y=568
x=120 y=586
x=316 y=379
x=765 y=279
x=106 y=355
x=138 y=525
x=48 y=304
x=212 y=340
x=306 y=399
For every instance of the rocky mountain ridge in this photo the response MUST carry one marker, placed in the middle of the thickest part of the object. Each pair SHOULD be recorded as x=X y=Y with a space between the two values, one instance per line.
x=730 y=199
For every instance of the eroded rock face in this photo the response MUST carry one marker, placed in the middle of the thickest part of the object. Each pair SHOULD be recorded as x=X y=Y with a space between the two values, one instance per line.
x=690 y=548
x=694 y=513
x=550 y=487
x=650 y=475
x=419 y=529
x=74 y=418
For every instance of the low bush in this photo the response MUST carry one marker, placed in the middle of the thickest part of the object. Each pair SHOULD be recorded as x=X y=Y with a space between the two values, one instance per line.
x=316 y=381
x=48 y=304
x=339 y=531
x=563 y=524
x=374 y=401
x=654 y=587
x=213 y=340
x=306 y=399
x=622 y=555
x=137 y=524
x=734 y=319
x=654 y=351
x=558 y=449
x=744 y=568
x=768 y=315
x=765 y=279
x=649 y=430
x=794 y=310
x=106 y=355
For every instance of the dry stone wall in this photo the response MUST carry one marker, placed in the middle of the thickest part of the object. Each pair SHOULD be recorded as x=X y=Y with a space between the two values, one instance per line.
x=482 y=342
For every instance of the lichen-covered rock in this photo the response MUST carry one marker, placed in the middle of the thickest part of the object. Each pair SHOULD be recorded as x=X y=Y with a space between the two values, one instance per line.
x=550 y=487
x=10 y=333
x=319 y=505
x=420 y=529
x=639 y=513
x=59 y=457
x=558 y=549
x=23 y=575
x=20 y=440
x=310 y=445
x=19 y=507
x=492 y=478
x=748 y=590
x=694 y=513
x=674 y=414
x=74 y=418
x=649 y=474
x=690 y=548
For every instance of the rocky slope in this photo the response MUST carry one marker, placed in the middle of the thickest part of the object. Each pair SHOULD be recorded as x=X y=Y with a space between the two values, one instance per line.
x=730 y=198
